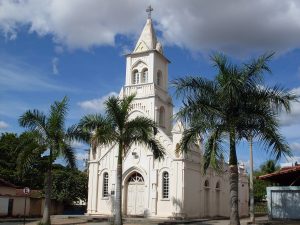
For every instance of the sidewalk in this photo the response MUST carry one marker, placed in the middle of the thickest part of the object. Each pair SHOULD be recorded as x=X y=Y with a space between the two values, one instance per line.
x=86 y=220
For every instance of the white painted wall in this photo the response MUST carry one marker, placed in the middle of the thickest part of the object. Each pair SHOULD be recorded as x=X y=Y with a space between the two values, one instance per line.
x=4 y=206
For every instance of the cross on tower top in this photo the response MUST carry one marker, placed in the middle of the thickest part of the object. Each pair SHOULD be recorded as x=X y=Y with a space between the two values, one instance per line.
x=149 y=10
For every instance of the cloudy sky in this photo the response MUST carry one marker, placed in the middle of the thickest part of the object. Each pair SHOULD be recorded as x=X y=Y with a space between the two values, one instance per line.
x=52 y=48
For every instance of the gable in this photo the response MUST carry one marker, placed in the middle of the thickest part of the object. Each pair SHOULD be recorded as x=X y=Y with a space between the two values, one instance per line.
x=141 y=47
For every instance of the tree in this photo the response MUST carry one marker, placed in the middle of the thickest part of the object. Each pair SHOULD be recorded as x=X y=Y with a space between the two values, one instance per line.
x=228 y=105
x=11 y=145
x=52 y=138
x=116 y=127
x=268 y=103
x=269 y=167
x=259 y=186
x=69 y=185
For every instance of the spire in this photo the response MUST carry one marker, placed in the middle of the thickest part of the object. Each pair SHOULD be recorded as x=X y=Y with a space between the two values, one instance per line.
x=148 y=40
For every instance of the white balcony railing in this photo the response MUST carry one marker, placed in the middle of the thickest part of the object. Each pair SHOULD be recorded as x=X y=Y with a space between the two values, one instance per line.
x=141 y=90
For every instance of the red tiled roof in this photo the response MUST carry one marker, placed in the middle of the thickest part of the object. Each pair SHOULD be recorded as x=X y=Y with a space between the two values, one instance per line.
x=285 y=176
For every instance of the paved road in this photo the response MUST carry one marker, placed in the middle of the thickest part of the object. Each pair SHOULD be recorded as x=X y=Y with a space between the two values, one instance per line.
x=11 y=223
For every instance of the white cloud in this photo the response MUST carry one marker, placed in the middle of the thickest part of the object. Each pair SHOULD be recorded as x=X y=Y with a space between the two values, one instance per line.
x=290 y=161
x=295 y=146
x=3 y=125
x=81 y=155
x=293 y=117
x=78 y=145
x=73 y=23
x=236 y=27
x=96 y=105
x=55 y=61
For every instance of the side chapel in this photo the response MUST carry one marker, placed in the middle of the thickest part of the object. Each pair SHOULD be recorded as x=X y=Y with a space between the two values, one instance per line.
x=175 y=186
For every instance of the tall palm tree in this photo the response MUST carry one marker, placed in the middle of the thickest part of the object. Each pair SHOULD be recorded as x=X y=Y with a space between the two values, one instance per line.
x=116 y=127
x=274 y=100
x=229 y=105
x=54 y=140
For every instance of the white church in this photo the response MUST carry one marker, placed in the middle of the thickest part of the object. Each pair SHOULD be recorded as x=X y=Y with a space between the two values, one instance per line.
x=175 y=186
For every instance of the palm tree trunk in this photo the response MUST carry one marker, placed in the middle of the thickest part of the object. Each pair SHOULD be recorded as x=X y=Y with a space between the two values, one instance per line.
x=118 y=203
x=48 y=190
x=252 y=216
x=233 y=179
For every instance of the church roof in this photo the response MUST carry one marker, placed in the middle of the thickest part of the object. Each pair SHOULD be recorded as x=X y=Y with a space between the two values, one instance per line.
x=147 y=40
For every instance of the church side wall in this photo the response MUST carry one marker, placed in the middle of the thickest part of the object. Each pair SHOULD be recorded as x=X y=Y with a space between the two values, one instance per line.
x=192 y=191
x=92 y=187
x=205 y=195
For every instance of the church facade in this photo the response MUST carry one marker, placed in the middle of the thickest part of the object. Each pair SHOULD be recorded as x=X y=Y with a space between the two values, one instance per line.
x=175 y=186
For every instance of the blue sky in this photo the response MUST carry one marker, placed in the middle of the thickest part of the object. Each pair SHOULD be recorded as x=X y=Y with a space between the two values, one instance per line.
x=51 y=49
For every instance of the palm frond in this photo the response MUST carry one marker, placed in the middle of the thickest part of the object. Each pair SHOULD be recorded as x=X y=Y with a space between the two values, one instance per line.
x=274 y=142
x=252 y=72
x=213 y=150
x=192 y=135
x=29 y=150
x=279 y=98
x=194 y=85
x=142 y=130
x=57 y=116
x=156 y=148
x=68 y=153
x=35 y=121
x=75 y=132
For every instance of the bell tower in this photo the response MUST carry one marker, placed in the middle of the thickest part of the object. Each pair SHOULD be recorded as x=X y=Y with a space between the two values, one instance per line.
x=147 y=77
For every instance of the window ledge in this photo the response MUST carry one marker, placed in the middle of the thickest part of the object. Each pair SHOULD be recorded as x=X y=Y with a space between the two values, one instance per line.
x=165 y=199
x=105 y=198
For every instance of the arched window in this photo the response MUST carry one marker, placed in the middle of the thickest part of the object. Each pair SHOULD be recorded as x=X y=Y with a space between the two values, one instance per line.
x=144 y=78
x=218 y=185
x=135 y=77
x=206 y=183
x=105 y=185
x=159 y=78
x=161 y=121
x=165 y=185
x=136 y=178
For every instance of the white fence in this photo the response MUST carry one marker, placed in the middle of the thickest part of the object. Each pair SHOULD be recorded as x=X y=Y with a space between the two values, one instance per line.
x=283 y=202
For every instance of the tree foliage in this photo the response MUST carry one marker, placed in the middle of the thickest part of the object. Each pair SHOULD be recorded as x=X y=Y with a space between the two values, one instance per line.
x=69 y=185
x=260 y=185
x=11 y=146
x=49 y=131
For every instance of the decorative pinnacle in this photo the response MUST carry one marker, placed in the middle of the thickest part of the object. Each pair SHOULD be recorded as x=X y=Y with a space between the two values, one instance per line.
x=149 y=10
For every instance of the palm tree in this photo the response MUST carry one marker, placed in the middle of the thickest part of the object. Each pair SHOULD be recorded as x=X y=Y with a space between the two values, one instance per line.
x=268 y=103
x=229 y=105
x=269 y=167
x=116 y=127
x=49 y=131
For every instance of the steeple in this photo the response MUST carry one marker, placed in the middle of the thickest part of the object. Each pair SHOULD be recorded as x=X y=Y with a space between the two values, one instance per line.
x=147 y=78
x=148 y=40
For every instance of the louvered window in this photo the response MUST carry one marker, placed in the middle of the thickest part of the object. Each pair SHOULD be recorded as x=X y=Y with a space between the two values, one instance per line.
x=105 y=185
x=165 y=185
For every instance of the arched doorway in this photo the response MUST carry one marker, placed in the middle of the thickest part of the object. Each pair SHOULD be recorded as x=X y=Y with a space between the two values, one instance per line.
x=135 y=194
x=206 y=199
x=218 y=199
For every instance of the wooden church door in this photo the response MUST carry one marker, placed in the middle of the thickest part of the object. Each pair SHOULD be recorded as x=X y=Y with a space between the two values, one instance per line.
x=136 y=195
